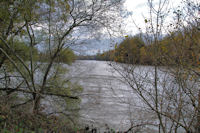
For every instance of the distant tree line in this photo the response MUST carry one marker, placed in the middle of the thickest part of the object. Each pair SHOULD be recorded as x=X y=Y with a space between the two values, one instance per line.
x=22 y=49
x=66 y=56
x=134 y=50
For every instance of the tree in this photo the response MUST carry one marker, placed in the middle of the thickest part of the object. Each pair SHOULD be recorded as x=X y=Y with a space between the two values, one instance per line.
x=186 y=53
x=51 y=27
x=169 y=94
x=128 y=50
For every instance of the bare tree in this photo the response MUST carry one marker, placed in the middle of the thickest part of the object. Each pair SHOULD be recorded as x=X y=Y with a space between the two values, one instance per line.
x=167 y=89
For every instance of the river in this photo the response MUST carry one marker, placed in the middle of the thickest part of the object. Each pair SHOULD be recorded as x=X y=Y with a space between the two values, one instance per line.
x=114 y=100
x=106 y=100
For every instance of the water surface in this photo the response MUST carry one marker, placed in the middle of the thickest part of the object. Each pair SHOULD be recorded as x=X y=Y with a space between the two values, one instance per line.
x=106 y=99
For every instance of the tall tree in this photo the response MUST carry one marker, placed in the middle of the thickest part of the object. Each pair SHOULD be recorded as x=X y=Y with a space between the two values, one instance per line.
x=51 y=26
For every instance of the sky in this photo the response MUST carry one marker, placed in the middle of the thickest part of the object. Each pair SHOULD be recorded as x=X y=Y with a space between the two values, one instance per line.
x=138 y=10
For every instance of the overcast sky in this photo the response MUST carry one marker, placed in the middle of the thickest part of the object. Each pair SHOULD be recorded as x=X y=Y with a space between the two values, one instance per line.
x=139 y=9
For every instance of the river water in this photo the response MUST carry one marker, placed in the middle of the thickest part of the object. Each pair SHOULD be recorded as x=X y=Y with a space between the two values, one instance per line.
x=106 y=100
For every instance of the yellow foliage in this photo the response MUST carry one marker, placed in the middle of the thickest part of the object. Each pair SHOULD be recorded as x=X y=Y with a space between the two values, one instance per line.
x=126 y=36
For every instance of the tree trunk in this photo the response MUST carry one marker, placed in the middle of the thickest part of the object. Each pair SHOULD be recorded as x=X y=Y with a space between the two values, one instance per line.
x=2 y=61
x=36 y=104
